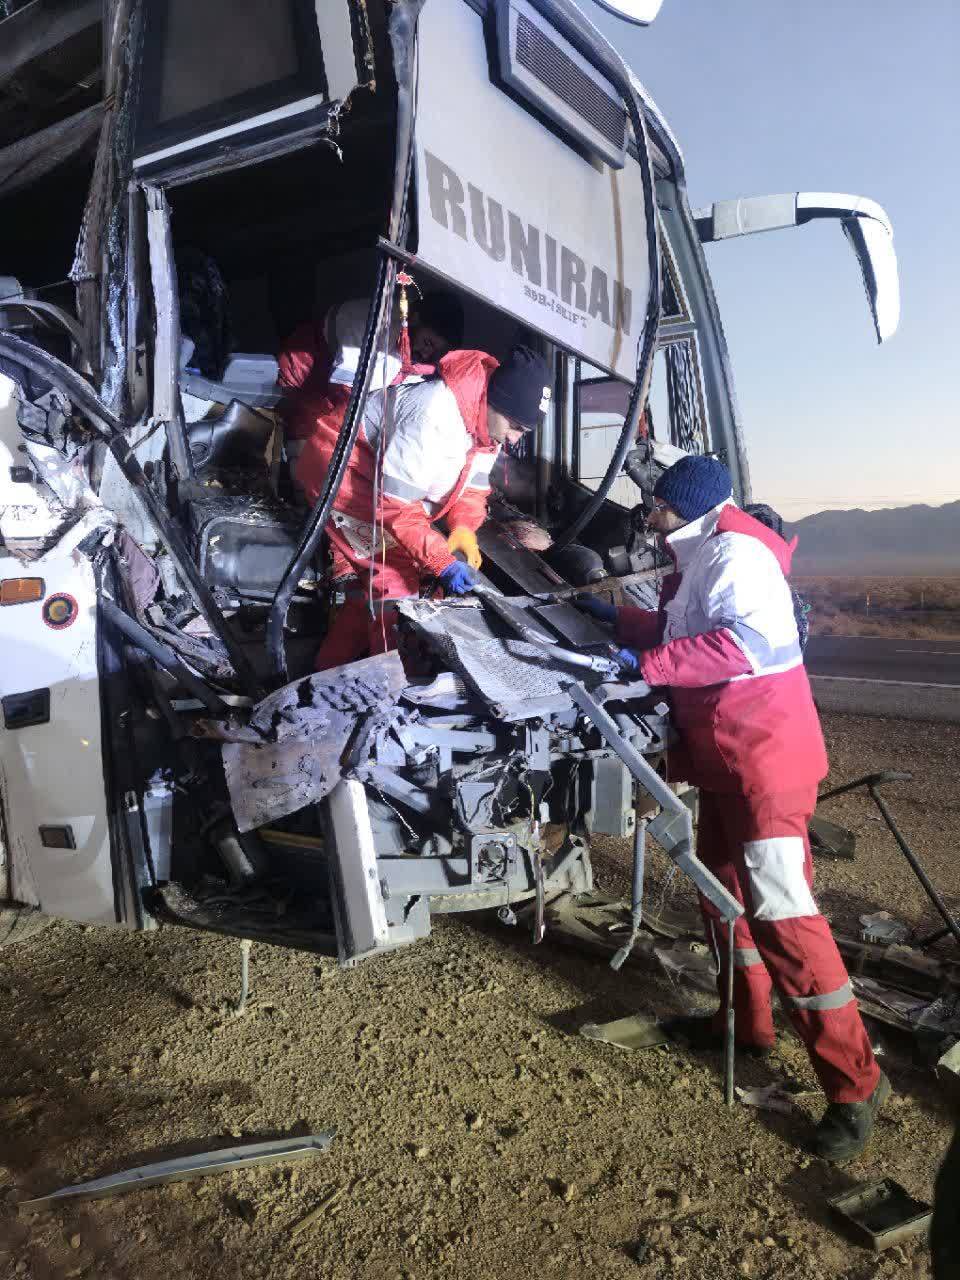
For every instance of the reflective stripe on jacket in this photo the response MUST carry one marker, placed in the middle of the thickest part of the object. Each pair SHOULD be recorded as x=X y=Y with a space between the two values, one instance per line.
x=725 y=642
x=433 y=458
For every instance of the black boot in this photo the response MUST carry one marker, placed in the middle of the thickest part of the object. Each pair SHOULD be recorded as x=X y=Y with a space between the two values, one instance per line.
x=846 y=1127
x=697 y=1030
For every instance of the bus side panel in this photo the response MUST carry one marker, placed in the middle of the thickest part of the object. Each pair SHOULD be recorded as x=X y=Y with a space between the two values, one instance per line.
x=52 y=783
x=51 y=762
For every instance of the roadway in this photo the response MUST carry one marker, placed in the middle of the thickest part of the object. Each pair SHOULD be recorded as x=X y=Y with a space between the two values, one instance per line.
x=931 y=662
x=874 y=676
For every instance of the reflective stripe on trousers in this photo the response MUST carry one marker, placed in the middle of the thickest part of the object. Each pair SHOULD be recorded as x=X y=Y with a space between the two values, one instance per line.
x=829 y=1000
x=757 y=847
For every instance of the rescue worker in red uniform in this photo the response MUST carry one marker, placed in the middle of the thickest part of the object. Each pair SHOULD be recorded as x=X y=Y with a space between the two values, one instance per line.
x=314 y=352
x=315 y=355
x=725 y=644
x=424 y=455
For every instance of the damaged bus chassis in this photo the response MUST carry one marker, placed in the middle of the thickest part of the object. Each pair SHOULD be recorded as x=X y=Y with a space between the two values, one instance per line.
x=198 y=773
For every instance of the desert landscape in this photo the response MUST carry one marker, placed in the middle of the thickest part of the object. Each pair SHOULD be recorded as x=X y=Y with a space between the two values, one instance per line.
x=908 y=607
x=892 y=572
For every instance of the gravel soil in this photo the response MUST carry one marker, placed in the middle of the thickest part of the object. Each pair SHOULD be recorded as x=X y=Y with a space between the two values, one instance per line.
x=477 y=1135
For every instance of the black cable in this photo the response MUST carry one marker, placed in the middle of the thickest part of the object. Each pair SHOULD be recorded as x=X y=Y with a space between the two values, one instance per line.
x=110 y=430
x=615 y=68
x=403 y=32
x=164 y=656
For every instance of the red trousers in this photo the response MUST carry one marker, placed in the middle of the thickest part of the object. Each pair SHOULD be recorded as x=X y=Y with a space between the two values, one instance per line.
x=355 y=631
x=757 y=846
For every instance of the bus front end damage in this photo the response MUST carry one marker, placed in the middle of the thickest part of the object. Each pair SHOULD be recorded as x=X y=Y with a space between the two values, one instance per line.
x=476 y=784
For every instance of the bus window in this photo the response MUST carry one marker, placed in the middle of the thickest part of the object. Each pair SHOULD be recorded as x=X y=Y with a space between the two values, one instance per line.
x=600 y=406
x=676 y=411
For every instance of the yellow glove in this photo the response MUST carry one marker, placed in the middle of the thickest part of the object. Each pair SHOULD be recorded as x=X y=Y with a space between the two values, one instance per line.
x=465 y=540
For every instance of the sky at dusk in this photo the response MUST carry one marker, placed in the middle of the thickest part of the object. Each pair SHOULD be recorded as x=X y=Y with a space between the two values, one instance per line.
x=858 y=96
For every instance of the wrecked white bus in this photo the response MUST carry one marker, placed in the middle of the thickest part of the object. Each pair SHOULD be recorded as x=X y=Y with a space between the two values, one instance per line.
x=168 y=753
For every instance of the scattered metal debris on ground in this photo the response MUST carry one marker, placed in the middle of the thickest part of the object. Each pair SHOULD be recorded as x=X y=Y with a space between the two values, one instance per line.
x=779 y=1095
x=196 y=1166
x=634 y=1032
x=881 y=1214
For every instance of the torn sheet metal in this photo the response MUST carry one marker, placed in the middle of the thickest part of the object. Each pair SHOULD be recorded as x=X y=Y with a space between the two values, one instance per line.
x=305 y=728
x=831 y=839
x=948 y=1071
x=512 y=676
x=627 y=1033
x=881 y=1214
x=697 y=967
x=196 y=1166
x=30 y=514
x=939 y=1017
x=574 y=627
x=780 y=1095
x=881 y=927
x=65 y=477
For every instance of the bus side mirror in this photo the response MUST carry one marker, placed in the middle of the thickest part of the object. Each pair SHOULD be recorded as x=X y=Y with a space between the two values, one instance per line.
x=864 y=223
x=642 y=12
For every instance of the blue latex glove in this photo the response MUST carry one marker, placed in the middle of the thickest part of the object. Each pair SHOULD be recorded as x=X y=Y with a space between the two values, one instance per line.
x=629 y=660
x=602 y=611
x=457 y=579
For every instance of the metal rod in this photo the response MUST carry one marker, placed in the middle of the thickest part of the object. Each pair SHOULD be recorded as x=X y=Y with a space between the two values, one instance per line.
x=540 y=914
x=639 y=862
x=621 y=956
x=141 y=638
x=394 y=251
x=167 y=407
x=729 y=1043
x=673 y=829
x=182 y=1167
x=868 y=780
x=530 y=635
x=931 y=939
x=241 y=1005
x=600 y=51
x=929 y=887
x=109 y=428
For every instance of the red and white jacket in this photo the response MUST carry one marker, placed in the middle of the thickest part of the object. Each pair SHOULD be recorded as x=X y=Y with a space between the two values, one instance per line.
x=435 y=459
x=725 y=642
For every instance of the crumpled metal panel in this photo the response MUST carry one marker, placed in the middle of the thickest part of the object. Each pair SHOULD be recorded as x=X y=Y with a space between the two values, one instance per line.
x=100 y=254
x=306 y=727
x=507 y=673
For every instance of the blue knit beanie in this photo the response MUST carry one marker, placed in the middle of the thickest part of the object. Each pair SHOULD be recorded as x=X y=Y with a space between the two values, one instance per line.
x=694 y=485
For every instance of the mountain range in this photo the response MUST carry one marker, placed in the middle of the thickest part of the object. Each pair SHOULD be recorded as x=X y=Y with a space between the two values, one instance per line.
x=899 y=540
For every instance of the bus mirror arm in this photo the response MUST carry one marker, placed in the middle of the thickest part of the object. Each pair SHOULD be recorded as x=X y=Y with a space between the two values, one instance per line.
x=864 y=223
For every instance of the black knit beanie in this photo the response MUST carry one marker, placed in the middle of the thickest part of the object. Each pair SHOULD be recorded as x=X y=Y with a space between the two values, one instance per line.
x=517 y=387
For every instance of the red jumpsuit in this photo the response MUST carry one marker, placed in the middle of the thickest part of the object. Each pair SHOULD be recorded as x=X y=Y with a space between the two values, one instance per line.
x=725 y=643
x=431 y=463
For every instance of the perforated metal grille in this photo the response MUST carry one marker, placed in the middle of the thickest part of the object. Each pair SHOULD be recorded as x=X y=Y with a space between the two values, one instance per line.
x=687 y=427
x=539 y=55
x=506 y=672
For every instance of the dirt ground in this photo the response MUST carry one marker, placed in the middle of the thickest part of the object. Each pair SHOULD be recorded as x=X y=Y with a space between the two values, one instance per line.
x=477 y=1135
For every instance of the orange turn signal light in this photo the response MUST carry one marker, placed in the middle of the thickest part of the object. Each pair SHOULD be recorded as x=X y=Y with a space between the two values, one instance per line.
x=20 y=590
